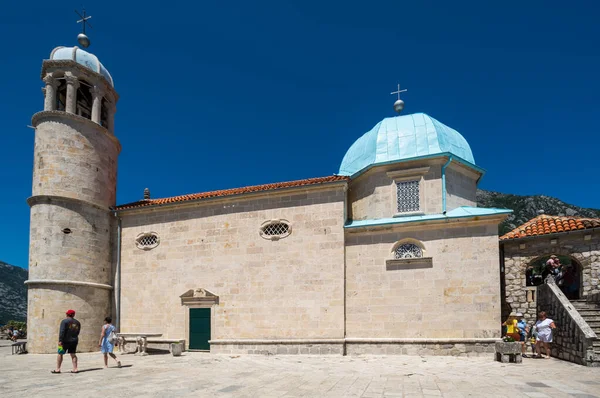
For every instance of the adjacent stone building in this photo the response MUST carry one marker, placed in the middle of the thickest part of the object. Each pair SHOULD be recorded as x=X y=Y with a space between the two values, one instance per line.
x=388 y=256
x=577 y=238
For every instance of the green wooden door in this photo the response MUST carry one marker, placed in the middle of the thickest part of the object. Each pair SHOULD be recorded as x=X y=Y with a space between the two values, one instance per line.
x=199 y=328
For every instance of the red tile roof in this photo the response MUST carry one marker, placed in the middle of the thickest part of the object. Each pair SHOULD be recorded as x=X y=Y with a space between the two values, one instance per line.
x=545 y=225
x=233 y=191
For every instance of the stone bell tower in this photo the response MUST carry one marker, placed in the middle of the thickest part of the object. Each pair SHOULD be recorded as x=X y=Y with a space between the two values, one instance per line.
x=74 y=186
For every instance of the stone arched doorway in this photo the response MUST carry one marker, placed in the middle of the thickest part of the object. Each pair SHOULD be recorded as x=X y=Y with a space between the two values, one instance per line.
x=569 y=274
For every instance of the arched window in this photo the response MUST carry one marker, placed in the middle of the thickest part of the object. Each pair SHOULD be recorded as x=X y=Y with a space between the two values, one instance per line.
x=408 y=250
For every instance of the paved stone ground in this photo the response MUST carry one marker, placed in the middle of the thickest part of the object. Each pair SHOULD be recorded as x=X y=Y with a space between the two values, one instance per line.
x=206 y=375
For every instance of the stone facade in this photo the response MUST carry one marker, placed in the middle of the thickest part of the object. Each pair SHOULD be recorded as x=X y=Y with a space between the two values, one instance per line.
x=279 y=348
x=289 y=288
x=461 y=186
x=582 y=246
x=372 y=195
x=325 y=285
x=456 y=296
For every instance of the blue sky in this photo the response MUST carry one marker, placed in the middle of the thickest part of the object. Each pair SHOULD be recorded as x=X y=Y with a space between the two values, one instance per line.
x=227 y=94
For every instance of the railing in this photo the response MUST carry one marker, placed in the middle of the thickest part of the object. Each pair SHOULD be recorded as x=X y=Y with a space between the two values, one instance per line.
x=573 y=338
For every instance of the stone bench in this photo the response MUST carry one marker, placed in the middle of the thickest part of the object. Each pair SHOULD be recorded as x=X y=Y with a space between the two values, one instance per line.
x=508 y=352
x=19 y=348
x=170 y=342
x=123 y=340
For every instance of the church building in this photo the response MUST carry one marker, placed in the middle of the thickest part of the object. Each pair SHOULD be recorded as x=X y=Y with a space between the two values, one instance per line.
x=389 y=256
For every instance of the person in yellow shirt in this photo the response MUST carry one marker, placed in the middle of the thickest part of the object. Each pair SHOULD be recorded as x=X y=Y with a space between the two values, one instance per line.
x=511 y=326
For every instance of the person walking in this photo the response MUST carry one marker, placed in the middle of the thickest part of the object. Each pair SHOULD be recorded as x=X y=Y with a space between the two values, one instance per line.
x=544 y=327
x=68 y=337
x=105 y=343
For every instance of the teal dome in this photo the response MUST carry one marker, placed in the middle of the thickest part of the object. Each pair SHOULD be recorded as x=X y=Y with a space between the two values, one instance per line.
x=401 y=138
x=82 y=57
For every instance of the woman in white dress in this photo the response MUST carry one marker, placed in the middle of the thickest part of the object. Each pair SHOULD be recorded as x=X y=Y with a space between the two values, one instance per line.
x=544 y=327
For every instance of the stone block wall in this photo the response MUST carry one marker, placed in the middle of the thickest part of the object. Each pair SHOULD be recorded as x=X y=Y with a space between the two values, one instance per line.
x=83 y=254
x=519 y=254
x=285 y=289
x=74 y=158
x=572 y=339
x=46 y=308
x=457 y=296
x=279 y=348
x=74 y=184
x=462 y=349
x=461 y=187
x=373 y=194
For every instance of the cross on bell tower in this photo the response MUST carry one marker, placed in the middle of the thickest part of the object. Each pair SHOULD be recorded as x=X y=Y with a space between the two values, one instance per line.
x=82 y=38
x=399 y=104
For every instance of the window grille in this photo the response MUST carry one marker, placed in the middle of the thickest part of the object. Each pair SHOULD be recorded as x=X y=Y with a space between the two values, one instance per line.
x=147 y=241
x=408 y=250
x=408 y=196
x=275 y=230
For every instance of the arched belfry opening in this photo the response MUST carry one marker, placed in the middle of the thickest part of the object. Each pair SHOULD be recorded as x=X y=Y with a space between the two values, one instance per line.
x=84 y=100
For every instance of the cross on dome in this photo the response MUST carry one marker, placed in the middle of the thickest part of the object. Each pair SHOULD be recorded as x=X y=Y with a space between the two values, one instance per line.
x=399 y=104
x=82 y=38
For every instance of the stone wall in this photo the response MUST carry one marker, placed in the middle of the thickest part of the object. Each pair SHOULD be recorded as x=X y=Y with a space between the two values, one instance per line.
x=280 y=348
x=70 y=262
x=46 y=308
x=457 y=295
x=448 y=347
x=461 y=187
x=582 y=246
x=464 y=348
x=74 y=158
x=572 y=339
x=267 y=289
x=372 y=195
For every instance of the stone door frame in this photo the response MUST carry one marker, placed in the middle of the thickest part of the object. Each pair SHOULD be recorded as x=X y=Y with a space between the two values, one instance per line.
x=198 y=298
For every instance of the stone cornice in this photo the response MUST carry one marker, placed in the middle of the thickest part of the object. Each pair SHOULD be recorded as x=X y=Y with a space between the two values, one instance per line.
x=45 y=199
x=59 y=115
x=67 y=282
x=95 y=77
x=431 y=224
x=415 y=172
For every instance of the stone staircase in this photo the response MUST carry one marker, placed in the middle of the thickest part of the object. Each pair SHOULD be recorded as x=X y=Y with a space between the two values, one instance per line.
x=590 y=312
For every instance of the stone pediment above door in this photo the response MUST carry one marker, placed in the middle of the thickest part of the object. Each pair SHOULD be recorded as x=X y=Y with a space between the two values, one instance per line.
x=199 y=296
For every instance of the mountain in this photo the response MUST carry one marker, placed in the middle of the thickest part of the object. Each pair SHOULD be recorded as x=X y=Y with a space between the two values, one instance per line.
x=13 y=293
x=527 y=207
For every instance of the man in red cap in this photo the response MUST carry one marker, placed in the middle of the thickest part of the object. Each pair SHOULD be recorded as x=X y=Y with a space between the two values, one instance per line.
x=68 y=337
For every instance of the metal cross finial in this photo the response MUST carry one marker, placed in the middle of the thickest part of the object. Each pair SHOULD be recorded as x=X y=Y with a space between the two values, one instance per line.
x=84 y=19
x=398 y=92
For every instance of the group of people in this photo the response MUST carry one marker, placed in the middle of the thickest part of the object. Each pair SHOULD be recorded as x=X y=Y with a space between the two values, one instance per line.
x=15 y=334
x=565 y=276
x=68 y=338
x=539 y=334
